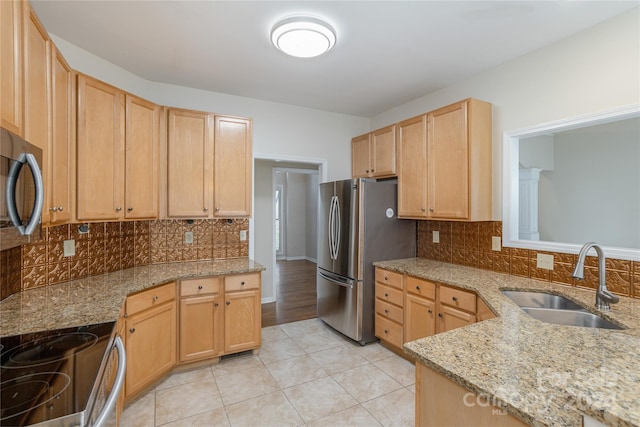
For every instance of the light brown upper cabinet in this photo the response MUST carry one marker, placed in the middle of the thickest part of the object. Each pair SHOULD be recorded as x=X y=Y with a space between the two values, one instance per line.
x=374 y=155
x=11 y=55
x=141 y=158
x=232 y=171
x=189 y=164
x=117 y=153
x=444 y=162
x=100 y=150
x=60 y=180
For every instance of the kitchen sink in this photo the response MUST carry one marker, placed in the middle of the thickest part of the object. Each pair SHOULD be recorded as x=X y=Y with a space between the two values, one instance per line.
x=570 y=317
x=542 y=300
x=557 y=309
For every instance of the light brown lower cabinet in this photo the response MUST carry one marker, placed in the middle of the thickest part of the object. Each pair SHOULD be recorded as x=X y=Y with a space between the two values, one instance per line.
x=242 y=313
x=151 y=336
x=441 y=402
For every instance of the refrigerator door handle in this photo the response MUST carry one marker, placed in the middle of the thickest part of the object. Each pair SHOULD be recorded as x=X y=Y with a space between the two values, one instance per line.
x=336 y=219
x=346 y=284
x=330 y=231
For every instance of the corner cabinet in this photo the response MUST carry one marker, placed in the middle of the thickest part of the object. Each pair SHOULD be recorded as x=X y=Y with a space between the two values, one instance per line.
x=374 y=155
x=444 y=160
x=150 y=336
x=233 y=166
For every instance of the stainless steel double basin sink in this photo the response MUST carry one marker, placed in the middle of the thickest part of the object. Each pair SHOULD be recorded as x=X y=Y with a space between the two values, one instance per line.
x=557 y=309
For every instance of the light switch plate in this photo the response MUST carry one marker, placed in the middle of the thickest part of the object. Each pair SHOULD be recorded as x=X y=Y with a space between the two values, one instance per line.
x=69 y=247
x=188 y=237
x=496 y=243
x=545 y=261
x=243 y=235
x=436 y=236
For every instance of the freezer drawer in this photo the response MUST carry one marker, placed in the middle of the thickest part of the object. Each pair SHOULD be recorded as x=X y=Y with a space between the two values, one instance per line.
x=339 y=304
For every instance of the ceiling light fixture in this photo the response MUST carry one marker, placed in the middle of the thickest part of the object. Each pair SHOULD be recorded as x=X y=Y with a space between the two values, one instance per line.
x=303 y=36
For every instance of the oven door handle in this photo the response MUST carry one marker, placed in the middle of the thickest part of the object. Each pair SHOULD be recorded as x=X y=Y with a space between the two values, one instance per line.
x=117 y=386
x=10 y=194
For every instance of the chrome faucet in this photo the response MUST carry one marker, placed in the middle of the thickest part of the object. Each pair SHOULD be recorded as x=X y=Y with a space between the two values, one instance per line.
x=603 y=296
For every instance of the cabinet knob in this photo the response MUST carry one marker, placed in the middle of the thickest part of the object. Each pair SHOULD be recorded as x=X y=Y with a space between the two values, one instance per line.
x=386 y=331
x=367 y=171
x=129 y=209
x=430 y=311
x=440 y=315
x=199 y=286
x=155 y=297
x=217 y=208
x=386 y=294
x=422 y=209
x=132 y=330
x=60 y=208
x=206 y=209
x=216 y=304
x=386 y=311
x=53 y=209
x=228 y=302
x=372 y=170
x=417 y=288
x=455 y=299
x=430 y=209
x=242 y=283
x=386 y=278
x=118 y=209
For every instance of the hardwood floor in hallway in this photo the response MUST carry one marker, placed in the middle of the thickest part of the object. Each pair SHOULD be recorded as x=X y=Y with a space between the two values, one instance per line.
x=296 y=293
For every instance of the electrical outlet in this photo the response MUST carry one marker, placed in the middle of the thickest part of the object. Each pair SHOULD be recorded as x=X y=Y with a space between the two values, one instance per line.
x=188 y=237
x=545 y=261
x=69 y=247
x=436 y=236
x=496 y=243
x=243 y=235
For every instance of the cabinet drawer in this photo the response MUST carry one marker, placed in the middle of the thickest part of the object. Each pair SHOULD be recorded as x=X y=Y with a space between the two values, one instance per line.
x=458 y=298
x=389 y=278
x=242 y=282
x=421 y=287
x=389 y=294
x=388 y=330
x=207 y=285
x=151 y=298
x=393 y=312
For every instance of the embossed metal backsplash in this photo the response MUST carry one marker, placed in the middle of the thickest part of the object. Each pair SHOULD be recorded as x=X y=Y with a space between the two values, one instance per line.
x=114 y=246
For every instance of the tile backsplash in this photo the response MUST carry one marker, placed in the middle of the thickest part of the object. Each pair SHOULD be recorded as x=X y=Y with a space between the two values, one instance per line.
x=114 y=246
x=469 y=243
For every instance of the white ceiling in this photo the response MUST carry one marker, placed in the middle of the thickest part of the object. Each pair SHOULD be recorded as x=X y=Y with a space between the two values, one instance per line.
x=387 y=53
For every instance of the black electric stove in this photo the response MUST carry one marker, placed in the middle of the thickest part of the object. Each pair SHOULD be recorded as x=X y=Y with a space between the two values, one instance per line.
x=47 y=376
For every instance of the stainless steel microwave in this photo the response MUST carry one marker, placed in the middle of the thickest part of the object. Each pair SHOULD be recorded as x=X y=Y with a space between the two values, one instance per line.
x=23 y=191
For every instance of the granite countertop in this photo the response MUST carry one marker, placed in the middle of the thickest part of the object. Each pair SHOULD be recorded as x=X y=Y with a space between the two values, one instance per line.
x=543 y=374
x=99 y=299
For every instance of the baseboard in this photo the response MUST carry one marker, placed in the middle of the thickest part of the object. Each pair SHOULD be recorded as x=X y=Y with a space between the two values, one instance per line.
x=313 y=260
x=268 y=300
x=295 y=258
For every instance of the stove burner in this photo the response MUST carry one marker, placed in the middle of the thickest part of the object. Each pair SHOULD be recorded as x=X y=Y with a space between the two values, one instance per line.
x=47 y=350
x=22 y=394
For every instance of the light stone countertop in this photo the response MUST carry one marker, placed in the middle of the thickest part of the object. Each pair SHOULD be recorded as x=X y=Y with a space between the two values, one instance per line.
x=99 y=299
x=543 y=374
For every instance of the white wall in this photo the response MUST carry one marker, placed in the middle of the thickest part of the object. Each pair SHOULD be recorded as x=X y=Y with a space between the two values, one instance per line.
x=263 y=247
x=595 y=70
x=296 y=196
x=312 y=217
x=278 y=129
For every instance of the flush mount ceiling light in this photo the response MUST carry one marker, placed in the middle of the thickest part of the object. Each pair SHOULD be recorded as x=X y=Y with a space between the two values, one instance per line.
x=303 y=36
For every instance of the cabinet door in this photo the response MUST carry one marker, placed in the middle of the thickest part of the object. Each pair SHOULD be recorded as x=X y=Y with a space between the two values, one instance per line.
x=412 y=167
x=151 y=346
x=37 y=80
x=361 y=156
x=141 y=158
x=233 y=167
x=200 y=328
x=448 y=163
x=451 y=318
x=189 y=164
x=383 y=151
x=61 y=176
x=242 y=321
x=420 y=318
x=11 y=54
x=100 y=151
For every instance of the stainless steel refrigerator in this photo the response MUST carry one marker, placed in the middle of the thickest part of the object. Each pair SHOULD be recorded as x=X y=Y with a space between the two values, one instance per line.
x=357 y=225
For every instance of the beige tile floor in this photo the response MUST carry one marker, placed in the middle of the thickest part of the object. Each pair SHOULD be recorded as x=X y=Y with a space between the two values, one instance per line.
x=305 y=375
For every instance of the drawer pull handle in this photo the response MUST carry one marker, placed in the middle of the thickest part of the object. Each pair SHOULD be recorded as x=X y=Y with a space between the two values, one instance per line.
x=455 y=298
x=417 y=288
x=199 y=286
x=155 y=297
x=228 y=302
x=132 y=330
